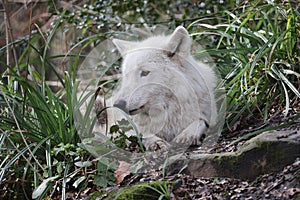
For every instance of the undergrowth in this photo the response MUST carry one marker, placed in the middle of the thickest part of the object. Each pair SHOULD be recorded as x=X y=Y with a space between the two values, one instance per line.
x=256 y=50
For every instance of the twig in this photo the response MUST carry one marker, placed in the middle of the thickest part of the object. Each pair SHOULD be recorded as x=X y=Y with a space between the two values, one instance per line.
x=6 y=35
x=9 y=38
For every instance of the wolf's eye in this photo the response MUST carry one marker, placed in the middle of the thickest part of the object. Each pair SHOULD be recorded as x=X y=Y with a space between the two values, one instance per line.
x=144 y=73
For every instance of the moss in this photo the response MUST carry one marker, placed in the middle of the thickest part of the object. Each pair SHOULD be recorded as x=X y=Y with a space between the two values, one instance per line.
x=96 y=195
x=227 y=160
x=141 y=191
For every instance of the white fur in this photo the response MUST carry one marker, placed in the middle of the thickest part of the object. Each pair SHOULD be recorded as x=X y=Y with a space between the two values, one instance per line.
x=169 y=94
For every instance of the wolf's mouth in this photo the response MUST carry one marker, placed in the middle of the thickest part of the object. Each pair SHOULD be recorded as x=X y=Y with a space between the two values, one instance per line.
x=136 y=111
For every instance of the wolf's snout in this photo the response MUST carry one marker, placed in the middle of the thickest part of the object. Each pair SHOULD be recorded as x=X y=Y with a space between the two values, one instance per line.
x=121 y=104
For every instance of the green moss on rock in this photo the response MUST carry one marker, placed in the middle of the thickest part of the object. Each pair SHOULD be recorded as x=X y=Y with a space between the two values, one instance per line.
x=141 y=191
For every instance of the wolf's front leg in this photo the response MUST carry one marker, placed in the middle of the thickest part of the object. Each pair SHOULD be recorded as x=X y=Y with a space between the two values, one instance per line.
x=193 y=134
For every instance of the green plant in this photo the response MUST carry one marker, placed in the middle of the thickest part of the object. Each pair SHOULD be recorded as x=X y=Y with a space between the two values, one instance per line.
x=108 y=15
x=153 y=190
x=162 y=188
x=121 y=140
x=256 y=48
x=34 y=120
x=72 y=169
x=104 y=176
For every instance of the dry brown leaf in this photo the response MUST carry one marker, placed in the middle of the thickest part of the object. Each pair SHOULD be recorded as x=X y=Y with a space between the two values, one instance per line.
x=122 y=171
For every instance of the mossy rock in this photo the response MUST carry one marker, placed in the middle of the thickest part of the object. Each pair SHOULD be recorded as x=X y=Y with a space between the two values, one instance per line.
x=266 y=153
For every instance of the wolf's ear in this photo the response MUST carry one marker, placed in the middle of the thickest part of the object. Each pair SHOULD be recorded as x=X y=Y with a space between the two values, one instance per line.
x=179 y=42
x=123 y=46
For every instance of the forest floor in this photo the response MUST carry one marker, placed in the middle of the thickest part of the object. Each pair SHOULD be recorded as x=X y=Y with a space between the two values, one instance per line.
x=284 y=184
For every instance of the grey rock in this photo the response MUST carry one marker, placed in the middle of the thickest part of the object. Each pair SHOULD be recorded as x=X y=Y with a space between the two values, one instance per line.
x=266 y=153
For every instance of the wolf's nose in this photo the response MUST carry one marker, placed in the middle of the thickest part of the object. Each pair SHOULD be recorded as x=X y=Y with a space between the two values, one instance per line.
x=121 y=104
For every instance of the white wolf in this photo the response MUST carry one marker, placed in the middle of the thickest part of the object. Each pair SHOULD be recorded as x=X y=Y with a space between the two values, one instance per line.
x=168 y=94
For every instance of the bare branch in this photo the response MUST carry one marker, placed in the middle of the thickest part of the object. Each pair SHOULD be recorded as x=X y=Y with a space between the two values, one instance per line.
x=9 y=37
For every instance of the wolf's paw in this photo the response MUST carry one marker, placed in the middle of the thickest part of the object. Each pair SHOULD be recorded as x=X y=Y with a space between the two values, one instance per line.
x=189 y=139
x=159 y=145
x=193 y=134
x=155 y=144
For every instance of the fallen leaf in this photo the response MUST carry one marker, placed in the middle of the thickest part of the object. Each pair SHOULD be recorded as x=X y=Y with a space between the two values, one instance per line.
x=122 y=171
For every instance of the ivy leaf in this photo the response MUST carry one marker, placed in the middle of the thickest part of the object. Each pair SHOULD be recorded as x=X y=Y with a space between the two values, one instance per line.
x=114 y=129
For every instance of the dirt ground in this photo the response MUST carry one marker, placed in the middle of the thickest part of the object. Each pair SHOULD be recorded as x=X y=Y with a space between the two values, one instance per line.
x=281 y=185
x=274 y=186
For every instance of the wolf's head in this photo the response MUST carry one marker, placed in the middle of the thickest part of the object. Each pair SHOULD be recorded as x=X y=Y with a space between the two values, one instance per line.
x=151 y=71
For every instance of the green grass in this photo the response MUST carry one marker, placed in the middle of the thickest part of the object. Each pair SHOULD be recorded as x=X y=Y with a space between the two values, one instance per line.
x=34 y=121
x=40 y=148
x=257 y=54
